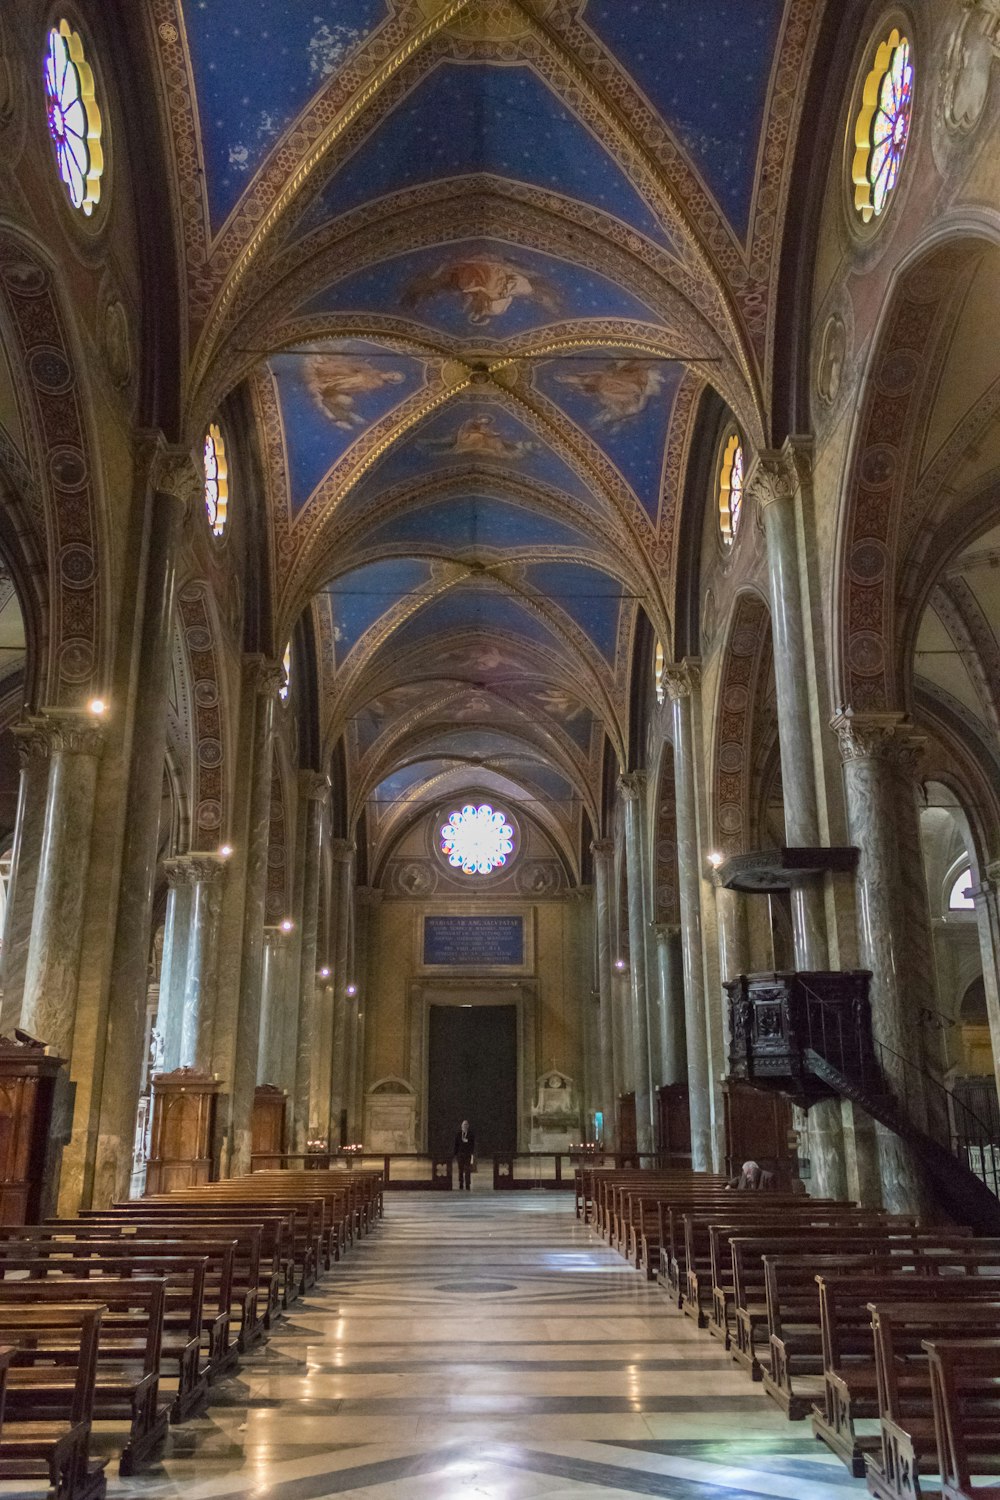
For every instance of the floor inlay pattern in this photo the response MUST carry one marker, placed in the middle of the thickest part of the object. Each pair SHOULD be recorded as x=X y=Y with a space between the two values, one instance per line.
x=489 y=1348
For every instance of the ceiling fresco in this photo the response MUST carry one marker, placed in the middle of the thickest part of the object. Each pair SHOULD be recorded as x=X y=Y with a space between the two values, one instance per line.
x=475 y=261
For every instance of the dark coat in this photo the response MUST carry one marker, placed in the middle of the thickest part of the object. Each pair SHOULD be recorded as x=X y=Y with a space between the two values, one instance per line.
x=466 y=1147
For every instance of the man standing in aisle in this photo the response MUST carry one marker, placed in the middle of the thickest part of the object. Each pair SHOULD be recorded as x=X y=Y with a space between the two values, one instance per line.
x=465 y=1151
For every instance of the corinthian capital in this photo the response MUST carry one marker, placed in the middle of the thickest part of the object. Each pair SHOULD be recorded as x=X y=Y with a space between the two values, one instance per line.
x=680 y=679
x=877 y=736
x=71 y=731
x=314 y=785
x=632 y=786
x=342 y=849
x=264 y=676
x=171 y=469
x=778 y=474
x=602 y=848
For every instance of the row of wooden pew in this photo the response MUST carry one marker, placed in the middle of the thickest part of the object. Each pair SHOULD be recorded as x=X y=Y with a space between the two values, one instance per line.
x=131 y=1314
x=885 y=1332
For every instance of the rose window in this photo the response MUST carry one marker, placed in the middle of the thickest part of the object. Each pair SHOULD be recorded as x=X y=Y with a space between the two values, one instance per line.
x=74 y=117
x=731 y=488
x=883 y=126
x=477 y=840
x=216 y=480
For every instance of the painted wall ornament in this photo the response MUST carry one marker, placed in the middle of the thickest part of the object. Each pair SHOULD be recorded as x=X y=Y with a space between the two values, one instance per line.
x=487 y=286
x=965 y=71
x=621 y=390
x=338 y=381
x=477 y=437
x=832 y=354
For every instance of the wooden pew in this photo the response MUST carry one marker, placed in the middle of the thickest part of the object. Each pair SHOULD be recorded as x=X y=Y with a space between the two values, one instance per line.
x=965 y=1374
x=56 y=1447
x=127 y=1381
x=855 y=1384
x=184 y=1318
x=909 y=1441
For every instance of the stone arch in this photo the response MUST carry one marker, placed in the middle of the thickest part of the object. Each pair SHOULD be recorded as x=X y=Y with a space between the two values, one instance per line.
x=59 y=493
x=746 y=663
x=209 y=736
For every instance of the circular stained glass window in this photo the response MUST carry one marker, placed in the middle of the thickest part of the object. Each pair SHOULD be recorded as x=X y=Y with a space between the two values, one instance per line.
x=216 y=480
x=74 y=117
x=659 y=663
x=477 y=840
x=286 y=673
x=731 y=488
x=882 y=128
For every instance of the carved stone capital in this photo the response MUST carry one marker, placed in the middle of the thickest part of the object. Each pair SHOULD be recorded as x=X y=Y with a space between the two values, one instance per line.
x=877 y=736
x=680 y=679
x=276 y=938
x=603 y=848
x=264 y=676
x=64 y=730
x=342 y=849
x=369 y=896
x=172 y=470
x=776 y=475
x=198 y=868
x=666 y=930
x=632 y=786
x=314 y=785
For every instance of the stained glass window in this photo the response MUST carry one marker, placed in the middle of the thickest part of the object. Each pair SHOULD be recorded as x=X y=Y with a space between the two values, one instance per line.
x=286 y=673
x=74 y=117
x=477 y=840
x=961 y=893
x=731 y=487
x=216 y=480
x=883 y=126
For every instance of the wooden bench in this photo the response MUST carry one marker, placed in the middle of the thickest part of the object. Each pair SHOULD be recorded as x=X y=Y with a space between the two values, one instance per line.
x=965 y=1376
x=55 y=1447
x=127 y=1381
x=908 y=1438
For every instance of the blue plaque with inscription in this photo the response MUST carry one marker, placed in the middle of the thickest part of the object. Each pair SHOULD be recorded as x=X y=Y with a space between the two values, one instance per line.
x=474 y=942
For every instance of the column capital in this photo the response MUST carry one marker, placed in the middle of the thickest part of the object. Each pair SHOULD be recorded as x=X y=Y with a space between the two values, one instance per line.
x=342 y=849
x=314 y=785
x=666 y=930
x=632 y=785
x=199 y=867
x=681 y=678
x=263 y=675
x=171 y=469
x=368 y=895
x=877 y=736
x=602 y=848
x=71 y=731
x=276 y=938
x=778 y=474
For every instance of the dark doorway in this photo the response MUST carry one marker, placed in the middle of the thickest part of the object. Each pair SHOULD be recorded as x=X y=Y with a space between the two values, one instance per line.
x=472 y=1075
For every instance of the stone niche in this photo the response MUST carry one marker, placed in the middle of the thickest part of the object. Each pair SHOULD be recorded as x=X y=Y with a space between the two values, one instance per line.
x=390 y=1116
x=555 y=1114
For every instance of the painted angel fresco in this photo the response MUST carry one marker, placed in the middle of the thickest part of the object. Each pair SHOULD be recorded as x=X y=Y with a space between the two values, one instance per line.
x=336 y=381
x=487 y=285
x=621 y=389
x=477 y=437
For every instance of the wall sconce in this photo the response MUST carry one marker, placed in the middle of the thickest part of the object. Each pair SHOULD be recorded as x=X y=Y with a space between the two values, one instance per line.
x=352 y=989
x=287 y=925
x=715 y=859
x=324 y=972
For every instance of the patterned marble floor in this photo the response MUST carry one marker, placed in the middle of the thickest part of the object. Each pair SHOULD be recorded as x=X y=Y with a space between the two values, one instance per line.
x=489 y=1348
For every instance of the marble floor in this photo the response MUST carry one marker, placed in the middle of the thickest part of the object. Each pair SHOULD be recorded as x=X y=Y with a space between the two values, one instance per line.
x=488 y=1347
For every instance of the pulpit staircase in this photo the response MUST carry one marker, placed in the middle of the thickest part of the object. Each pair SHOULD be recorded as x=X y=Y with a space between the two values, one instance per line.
x=809 y=1035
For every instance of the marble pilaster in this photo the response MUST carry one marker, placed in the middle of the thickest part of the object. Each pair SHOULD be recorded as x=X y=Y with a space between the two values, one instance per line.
x=603 y=851
x=681 y=681
x=775 y=481
x=33 y=751
x=313 y=792
x=273 y=1007
x=344 y=1009
x=173 y=971
x=367 y=903
x=263 y=679
x=987 y=899
x=670 y=966
x=879 y=753
x=632 y=788
x=207 y=873
x=174 y=484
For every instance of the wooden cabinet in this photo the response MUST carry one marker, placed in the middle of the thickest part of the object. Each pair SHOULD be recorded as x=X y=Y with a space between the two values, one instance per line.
x=673 y=1106
x=183 y=1130
x=267 y=1127
x=27 y=1086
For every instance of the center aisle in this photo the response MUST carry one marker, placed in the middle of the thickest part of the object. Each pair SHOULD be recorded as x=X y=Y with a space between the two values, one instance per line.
x=490 y=1346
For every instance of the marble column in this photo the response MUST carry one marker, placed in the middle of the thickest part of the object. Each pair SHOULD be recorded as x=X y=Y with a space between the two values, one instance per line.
x=632 y=788
x=879 y=753
x=367 y=904
x=681 y=681
x=74 y=742
x=207 y=873
x=987 y=899
x=775 y=481
x=173 y=971
x=314 y=789
x=273 y=1008
x=263 y=679
x=670 y=966
x=603 y=851
x=33 y=750
x=345 y=1008
x=174 y=484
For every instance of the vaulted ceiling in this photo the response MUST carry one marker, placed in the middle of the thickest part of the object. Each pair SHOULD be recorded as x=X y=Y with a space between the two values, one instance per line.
x=475 y=262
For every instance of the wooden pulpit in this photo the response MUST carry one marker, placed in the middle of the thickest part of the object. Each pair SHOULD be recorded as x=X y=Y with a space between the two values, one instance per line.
x=27 y=1086
x=267 y=1128
x=183 y=1130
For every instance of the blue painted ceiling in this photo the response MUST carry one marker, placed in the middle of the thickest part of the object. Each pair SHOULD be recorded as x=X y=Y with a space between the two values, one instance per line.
x=477 y=317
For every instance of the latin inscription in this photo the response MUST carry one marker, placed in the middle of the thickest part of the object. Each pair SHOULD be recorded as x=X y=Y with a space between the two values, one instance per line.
x=469 y=942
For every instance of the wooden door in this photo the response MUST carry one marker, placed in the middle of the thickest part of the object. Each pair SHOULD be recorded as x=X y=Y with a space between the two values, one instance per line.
x=627 y=1145
x=758 y=1128
x=673 y=1107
